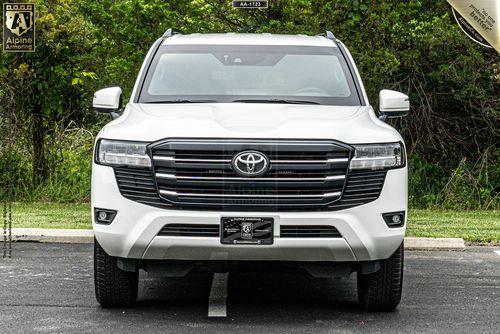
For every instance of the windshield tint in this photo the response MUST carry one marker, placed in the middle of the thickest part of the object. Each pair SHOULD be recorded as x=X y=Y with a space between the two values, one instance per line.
x=264 y=74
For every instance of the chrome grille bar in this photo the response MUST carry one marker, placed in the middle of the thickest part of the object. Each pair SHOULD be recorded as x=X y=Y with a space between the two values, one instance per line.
x=177 y=194
x=235 y=178
x=328 y=161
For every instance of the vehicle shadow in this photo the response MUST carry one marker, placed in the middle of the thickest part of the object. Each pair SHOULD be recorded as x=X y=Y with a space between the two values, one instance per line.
x=252 y=297
x=290 y=297
x=166 y=292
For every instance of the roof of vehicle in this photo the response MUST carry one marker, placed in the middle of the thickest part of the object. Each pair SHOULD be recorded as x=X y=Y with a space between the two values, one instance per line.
x=248 y=39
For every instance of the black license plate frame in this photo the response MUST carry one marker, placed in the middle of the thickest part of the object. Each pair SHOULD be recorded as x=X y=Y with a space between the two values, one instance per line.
x=247 y=230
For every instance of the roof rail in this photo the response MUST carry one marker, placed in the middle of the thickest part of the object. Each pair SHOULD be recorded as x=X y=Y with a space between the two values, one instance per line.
x=330 y=35
x=169 y=33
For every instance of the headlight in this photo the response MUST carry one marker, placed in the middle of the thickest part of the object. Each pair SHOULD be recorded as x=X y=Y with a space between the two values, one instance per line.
x=122 y=153
x=378 y=156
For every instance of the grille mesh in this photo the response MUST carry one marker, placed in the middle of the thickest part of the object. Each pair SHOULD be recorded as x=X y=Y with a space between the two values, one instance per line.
x=138 y=185
x=301 y=175
x=289 y=186
x=361 y=187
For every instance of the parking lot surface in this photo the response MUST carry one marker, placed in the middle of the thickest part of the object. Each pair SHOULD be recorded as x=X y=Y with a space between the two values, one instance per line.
x=48 y=288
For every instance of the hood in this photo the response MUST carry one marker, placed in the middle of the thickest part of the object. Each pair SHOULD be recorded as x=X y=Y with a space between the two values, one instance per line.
x=152 y=122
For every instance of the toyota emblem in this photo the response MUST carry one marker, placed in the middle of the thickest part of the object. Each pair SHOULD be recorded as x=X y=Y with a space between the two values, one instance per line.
x=250 y=163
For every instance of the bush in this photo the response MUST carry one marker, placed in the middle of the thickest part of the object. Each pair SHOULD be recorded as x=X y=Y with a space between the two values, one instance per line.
x=474 y=185
x=70 y=164
x=425 y=181
x=468 y=186
x=71 y=175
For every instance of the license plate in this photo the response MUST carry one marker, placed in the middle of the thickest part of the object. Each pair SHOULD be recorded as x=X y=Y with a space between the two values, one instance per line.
x=247 y=230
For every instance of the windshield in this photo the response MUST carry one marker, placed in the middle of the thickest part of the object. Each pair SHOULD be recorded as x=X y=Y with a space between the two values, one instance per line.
x=244 y=73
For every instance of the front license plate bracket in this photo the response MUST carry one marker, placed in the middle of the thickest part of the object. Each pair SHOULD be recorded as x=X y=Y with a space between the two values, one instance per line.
x=247 y=230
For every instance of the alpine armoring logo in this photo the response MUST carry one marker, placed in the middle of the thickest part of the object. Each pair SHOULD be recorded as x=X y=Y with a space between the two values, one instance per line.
x=18 y=27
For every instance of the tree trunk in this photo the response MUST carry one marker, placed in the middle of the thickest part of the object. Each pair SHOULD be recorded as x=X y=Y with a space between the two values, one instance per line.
x=38 y=140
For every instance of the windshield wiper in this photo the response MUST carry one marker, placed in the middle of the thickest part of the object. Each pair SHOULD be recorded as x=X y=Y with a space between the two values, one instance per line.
x=276 y=101
x=183 y=101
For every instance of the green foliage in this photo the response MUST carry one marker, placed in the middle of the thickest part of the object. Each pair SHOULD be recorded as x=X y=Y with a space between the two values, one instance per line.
x=68 y=181
x=413 y=46
x=474 y=185
x=471 y=185
x=425 y=182
x=49 y=88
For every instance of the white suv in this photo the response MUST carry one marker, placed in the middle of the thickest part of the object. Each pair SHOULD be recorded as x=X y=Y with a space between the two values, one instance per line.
x=244 y=148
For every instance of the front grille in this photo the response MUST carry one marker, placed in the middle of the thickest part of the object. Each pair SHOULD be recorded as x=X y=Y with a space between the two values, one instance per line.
x=301 y=174
x=308 y=231
x=138 y=185
x=190 y=230
x=197 y=174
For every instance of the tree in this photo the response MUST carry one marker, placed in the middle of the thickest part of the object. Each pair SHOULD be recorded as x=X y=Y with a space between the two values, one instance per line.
x=46 y=88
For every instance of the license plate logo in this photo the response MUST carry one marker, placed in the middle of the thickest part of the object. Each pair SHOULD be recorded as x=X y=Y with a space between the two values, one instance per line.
x=247 y=231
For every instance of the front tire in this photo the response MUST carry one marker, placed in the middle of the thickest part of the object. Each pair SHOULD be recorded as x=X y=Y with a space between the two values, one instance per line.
x=381 y=290
x=114 y=288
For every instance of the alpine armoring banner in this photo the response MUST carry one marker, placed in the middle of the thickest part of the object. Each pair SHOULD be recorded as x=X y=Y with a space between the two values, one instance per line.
x=479 y=19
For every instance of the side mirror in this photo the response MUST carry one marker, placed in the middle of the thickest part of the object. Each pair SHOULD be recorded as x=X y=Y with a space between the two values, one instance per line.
x=108 y=100
x=393 y=104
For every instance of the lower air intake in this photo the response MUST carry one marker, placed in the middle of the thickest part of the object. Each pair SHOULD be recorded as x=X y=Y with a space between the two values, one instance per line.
x=190 y=230
x=308 y=231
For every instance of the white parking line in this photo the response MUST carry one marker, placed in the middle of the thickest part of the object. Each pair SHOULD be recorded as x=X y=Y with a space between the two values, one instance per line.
x=497 y=251
x=218 y=295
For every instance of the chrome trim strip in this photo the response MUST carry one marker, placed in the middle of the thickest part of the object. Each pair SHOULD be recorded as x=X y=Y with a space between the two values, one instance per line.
x=162 y=158
x=203 y=160
x=232 y=178
x=165 y=176
x=166 y=158
x=335 y=177
x=329 y=161
x=333 y=160
x=174 y=193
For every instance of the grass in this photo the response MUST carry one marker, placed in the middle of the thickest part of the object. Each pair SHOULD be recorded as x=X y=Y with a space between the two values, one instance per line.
x=51 y=215
x=478 y=227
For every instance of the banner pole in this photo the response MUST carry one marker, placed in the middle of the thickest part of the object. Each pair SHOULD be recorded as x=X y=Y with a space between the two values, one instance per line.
x=9 y=244
x=4 y=222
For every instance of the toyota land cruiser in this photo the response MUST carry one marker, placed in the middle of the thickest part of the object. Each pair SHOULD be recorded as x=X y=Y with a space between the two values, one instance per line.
x=249 y=148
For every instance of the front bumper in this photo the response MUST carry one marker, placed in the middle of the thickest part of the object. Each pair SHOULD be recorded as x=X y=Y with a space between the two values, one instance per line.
x=134 y=231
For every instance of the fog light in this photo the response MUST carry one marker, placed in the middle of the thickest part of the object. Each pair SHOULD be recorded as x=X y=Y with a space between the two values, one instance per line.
x=394 y=219
x=104 y=216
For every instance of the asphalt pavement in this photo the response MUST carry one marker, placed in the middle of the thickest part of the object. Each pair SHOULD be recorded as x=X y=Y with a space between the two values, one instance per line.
x=48 y=288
